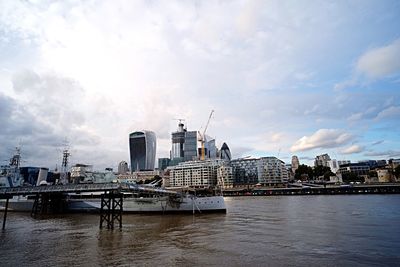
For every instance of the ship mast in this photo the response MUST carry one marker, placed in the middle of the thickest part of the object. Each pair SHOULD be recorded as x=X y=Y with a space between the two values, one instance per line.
x=64 y=165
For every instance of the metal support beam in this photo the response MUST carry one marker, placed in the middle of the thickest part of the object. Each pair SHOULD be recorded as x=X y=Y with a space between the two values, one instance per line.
x=111 y=209
x=5 y=214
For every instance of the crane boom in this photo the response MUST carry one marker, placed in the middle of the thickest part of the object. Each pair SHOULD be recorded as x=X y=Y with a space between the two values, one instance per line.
x=203 y=137
x=208 y=122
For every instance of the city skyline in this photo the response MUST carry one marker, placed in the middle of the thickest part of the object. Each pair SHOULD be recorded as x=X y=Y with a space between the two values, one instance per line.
x=283 y=78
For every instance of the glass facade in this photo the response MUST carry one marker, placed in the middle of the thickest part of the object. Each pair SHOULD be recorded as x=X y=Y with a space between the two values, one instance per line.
x=225 y=152
x=190 y=146
x=142 y=147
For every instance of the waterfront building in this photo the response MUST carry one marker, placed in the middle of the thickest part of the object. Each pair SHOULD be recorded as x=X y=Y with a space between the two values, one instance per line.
x=333 y=164
x=322 y=160
x=271 y=170
x=295 y=163
x=374 y=163
x=245 y=170
x=361 y=169
x=195 y=173
x=142 y=147
x=225 y=153
x=225 y=176
x=123 y=167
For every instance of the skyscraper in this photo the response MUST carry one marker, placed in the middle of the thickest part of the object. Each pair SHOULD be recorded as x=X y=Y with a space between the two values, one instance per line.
x=184 y=145
x=225 y=152
x=142 y=148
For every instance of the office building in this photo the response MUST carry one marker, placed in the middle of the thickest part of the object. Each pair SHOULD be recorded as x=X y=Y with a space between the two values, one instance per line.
x=271 y=170
x=225 y=153
x=197 y=173
x=163 y=163
x=322 y=160
x=185 y=146
x=361 y=169
x=295 y=163
x=142 y=147
x=245 y=170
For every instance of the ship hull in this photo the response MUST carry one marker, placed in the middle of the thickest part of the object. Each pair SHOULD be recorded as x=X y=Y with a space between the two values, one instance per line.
x=162 y=205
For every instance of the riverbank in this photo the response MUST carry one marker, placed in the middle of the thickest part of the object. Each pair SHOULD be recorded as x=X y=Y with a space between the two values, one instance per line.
x=315 y=190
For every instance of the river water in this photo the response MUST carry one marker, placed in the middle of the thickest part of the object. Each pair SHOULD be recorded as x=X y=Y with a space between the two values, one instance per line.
x=345 y=230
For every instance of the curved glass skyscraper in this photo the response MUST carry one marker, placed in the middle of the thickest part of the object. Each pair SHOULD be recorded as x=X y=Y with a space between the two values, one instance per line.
x=225 y=152
x=142 y=148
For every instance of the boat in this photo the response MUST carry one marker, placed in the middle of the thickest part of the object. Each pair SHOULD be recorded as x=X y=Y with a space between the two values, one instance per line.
x=132 y=203
x=10 y=175
x=139 y=199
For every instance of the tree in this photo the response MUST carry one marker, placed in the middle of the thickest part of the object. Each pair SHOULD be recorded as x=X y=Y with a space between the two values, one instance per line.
x=323 y=171
x=302 y=171
x=397 y=171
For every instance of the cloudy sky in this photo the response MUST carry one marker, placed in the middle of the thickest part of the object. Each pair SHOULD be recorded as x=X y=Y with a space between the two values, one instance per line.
x=284 y=77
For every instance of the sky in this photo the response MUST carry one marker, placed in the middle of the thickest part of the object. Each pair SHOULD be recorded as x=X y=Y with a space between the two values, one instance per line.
x=283 y=77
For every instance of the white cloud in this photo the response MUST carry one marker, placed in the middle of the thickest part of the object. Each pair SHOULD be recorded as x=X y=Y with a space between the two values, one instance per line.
x=355 y=116
x=323 y=138
x=277 y=137
x=390 y=112
x=352 y=149
x=380 y=62
x=374 y=64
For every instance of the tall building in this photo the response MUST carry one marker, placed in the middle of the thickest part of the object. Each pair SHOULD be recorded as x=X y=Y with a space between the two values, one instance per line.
x=123 y=167
x=190 y=146
x=295 y=163
x=322 y=160
x=142 y=147
x=163 y=163
x=184 y=145
x=225 y=153
x=185 y=148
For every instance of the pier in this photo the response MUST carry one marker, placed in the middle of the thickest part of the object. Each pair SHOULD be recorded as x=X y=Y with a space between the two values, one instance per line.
x=50 y=199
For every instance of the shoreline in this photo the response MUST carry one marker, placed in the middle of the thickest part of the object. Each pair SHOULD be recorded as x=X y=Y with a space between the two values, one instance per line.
x=331 y=190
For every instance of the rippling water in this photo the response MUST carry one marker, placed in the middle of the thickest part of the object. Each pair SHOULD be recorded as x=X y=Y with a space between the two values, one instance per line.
x=261 y=231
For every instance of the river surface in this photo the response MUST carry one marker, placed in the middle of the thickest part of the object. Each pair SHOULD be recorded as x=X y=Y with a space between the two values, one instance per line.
x=345 y=230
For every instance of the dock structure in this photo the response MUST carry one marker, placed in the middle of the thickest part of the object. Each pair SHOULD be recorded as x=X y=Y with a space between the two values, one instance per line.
x=50 y=198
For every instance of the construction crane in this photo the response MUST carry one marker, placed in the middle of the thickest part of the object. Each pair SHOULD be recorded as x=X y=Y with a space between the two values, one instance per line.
x=202 y=137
